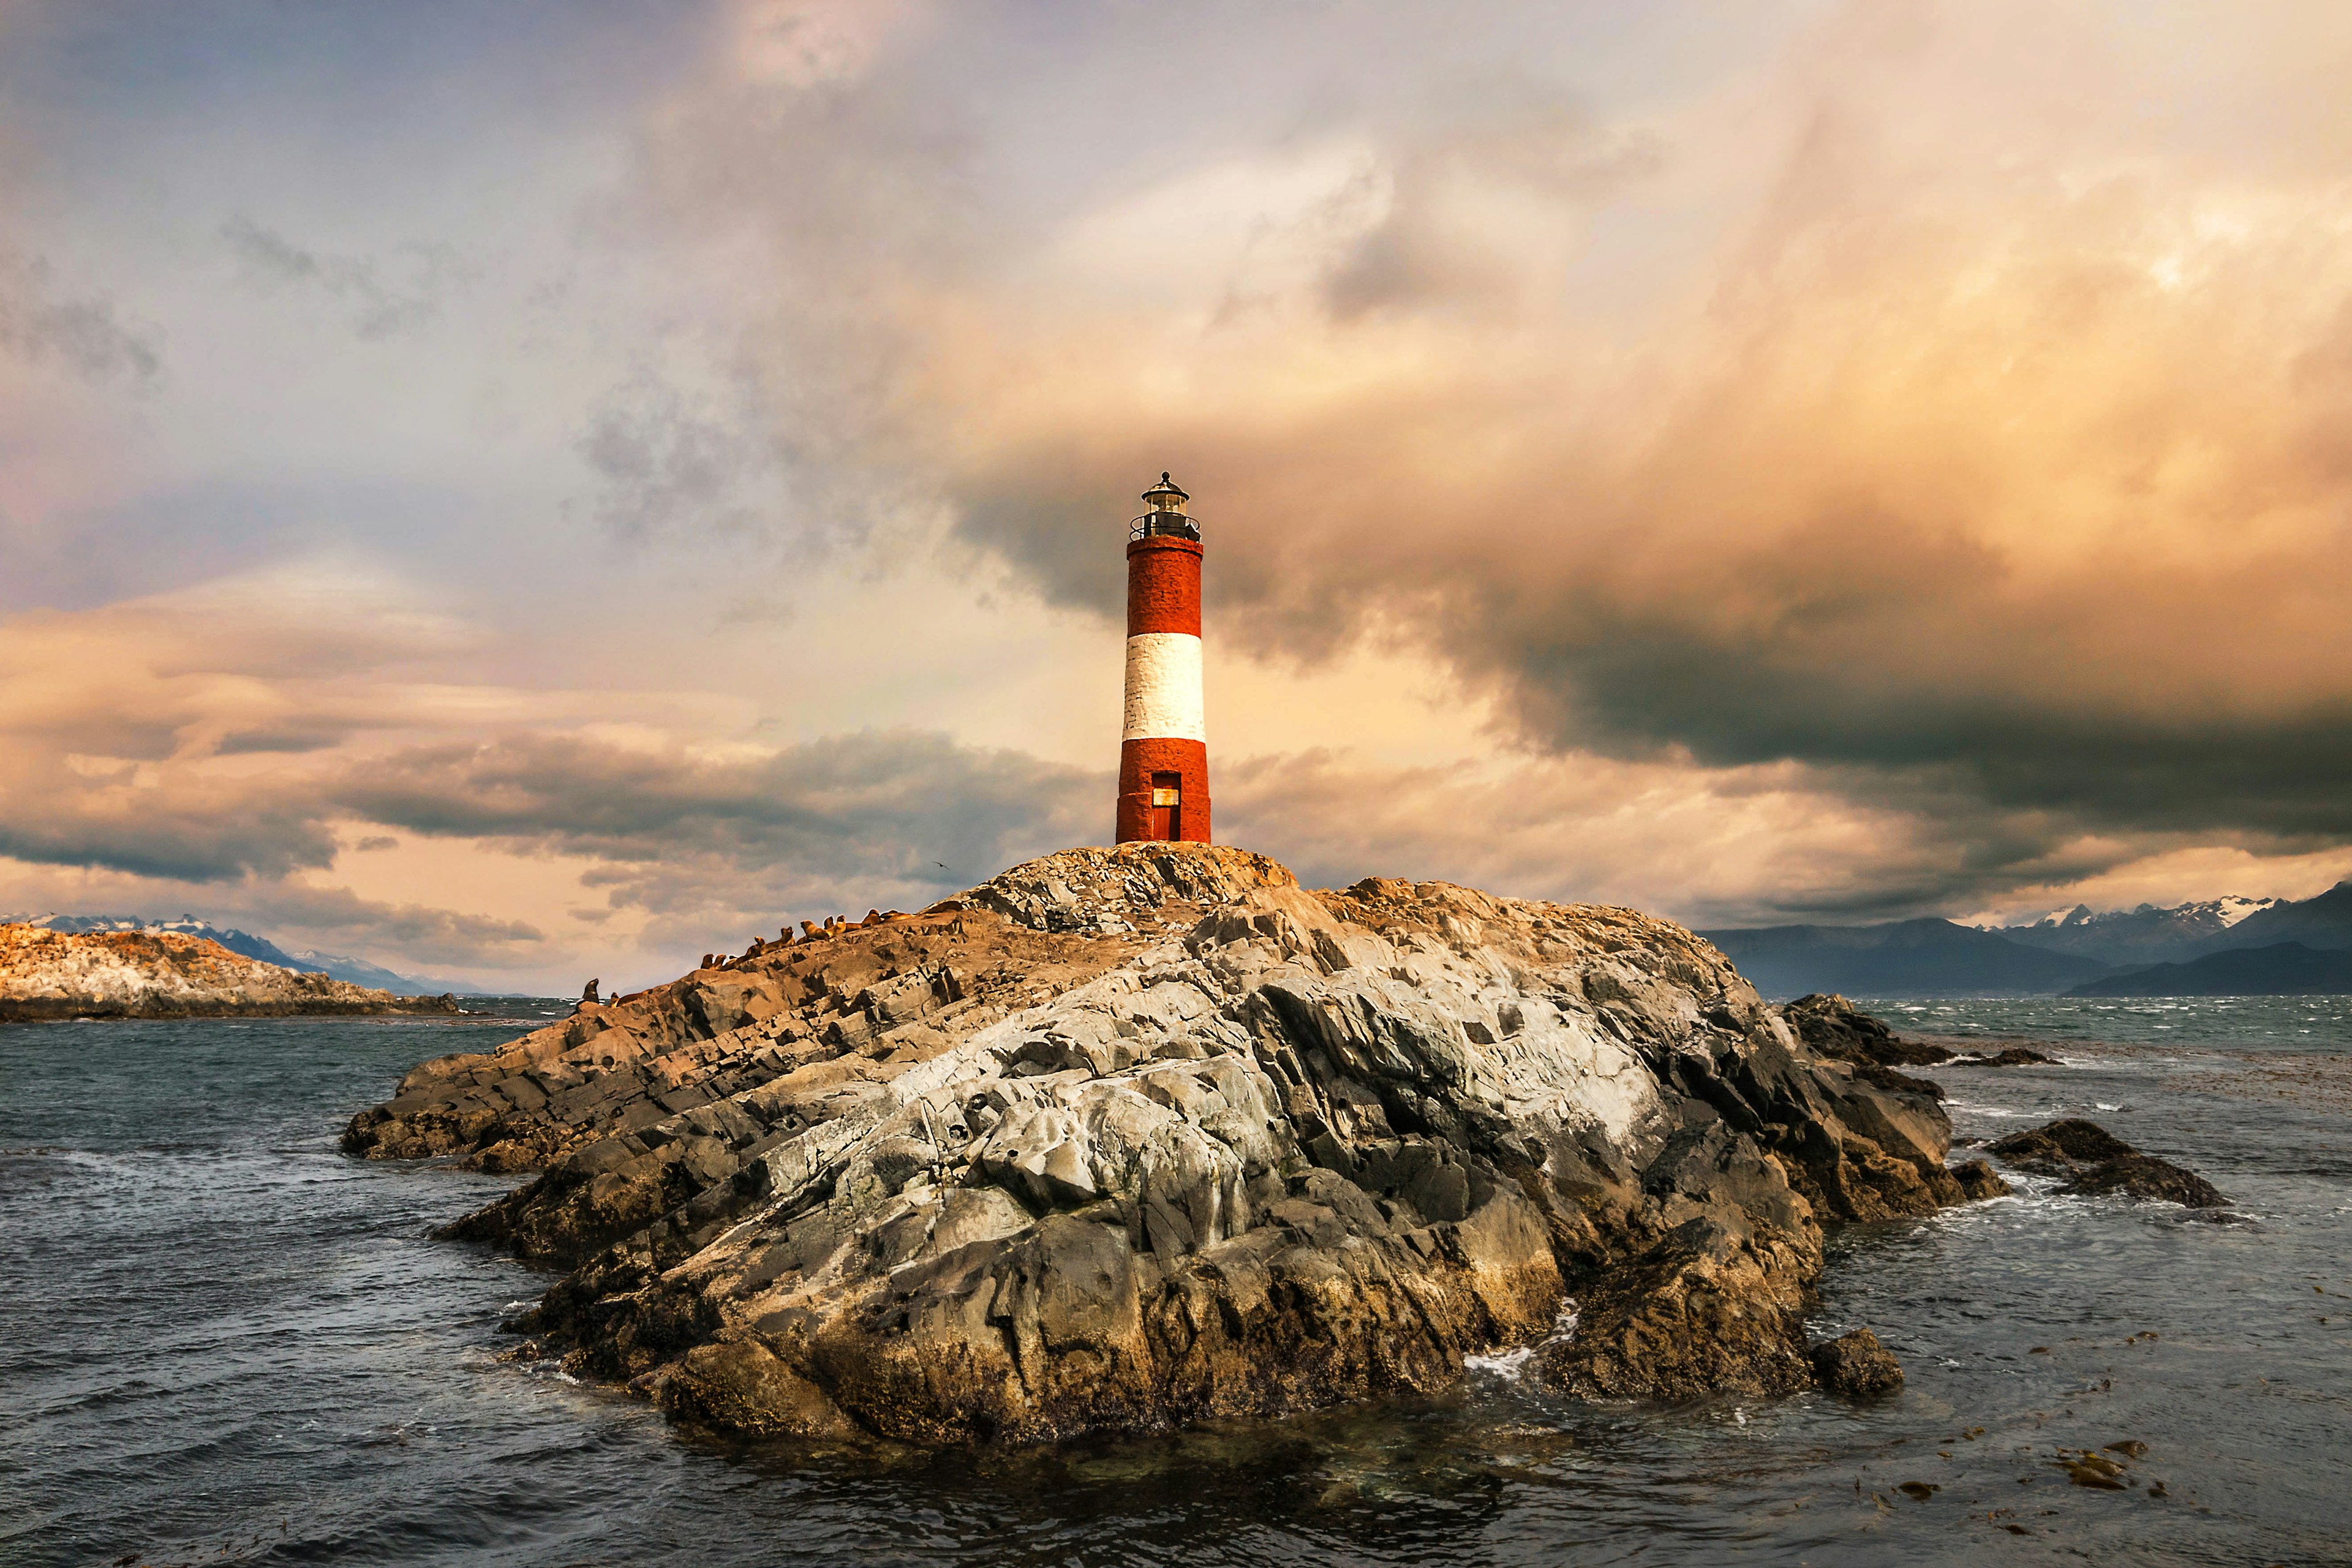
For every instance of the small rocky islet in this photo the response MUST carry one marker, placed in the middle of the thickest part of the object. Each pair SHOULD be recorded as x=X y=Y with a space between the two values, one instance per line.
x=47 y=975
x=1131 y=1138
x=2093 y=1161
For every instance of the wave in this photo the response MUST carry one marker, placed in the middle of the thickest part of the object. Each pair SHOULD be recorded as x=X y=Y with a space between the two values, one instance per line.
x=1511 y=1364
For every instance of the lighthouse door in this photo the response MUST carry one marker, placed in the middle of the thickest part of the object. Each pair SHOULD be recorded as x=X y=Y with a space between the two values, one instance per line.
x=1167 y=805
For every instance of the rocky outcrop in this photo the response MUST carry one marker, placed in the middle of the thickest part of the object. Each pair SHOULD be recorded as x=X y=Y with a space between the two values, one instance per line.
x=48 y=973
x=2094 y=1161
x=1837 y=1029
x=1133 y=1137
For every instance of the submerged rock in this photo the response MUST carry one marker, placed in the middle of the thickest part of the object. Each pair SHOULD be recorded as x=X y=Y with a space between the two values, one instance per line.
x=1132 y=1137
x=2096 y=1471
x=1979 y=1181
x=2094 y=1161
x=1857 y=1365
x=2007 y=1056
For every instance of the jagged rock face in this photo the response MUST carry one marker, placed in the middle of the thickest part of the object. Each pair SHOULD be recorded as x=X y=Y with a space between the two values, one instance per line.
x=1128 y=1138
x=48 y=973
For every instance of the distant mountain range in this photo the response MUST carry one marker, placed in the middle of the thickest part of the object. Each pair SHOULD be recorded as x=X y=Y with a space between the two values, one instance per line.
x=2283 y=969
x=1905 y=958
x=2072 y=950
x=358 y=970
x=2145 y=935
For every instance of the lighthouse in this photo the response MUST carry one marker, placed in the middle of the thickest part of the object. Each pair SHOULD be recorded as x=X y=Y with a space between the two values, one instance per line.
x=1163 y=749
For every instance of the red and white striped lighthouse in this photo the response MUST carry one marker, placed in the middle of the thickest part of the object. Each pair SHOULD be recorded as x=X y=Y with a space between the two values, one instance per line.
x=1163 y=749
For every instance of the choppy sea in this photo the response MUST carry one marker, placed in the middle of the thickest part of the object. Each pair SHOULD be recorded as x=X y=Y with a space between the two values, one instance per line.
x=222 y=1341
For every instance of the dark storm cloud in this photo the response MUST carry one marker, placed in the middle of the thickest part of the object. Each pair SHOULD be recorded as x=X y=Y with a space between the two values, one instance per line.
x=708 y=845
x=1750 y=845
x=905 y=810
x=2087 y=706
x=188 y=829
x=904 y=815
x=289 y=743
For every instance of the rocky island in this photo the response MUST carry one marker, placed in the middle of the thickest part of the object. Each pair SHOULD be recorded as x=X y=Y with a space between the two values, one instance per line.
x=46 y=974
x=1128 y=1137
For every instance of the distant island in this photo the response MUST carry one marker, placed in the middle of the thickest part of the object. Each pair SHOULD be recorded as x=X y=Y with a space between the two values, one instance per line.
x=52 y=975
x=2147 y=950
x=2283 y=969
x=303 y=961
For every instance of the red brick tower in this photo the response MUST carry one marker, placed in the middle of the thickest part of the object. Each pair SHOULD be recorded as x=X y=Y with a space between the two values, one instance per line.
x=1163 y=751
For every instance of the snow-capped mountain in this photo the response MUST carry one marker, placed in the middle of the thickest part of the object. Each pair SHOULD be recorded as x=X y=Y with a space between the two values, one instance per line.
x=237 y=941
x=360 y=972
x=2061 y=950
x=2148 y=934
x=2323 y=923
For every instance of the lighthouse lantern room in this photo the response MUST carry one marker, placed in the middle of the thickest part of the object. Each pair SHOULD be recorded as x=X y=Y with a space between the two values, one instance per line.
x=1163 y=753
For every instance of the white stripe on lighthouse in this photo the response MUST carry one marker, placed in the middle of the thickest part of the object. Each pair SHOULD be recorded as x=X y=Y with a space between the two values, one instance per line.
x=1163 y=689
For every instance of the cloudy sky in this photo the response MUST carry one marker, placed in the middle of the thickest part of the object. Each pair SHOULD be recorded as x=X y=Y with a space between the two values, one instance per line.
x=531 y=491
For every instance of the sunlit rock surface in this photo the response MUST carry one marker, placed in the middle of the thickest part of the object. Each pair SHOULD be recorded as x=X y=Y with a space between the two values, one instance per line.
x=1131 y=1137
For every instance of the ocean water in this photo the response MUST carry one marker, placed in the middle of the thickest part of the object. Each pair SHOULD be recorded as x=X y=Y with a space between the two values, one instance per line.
x=222 y=1341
